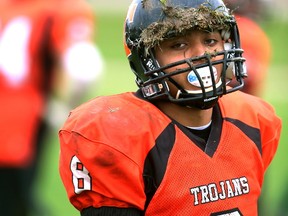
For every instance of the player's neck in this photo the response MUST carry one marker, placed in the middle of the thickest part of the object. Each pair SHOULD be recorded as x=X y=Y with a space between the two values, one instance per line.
x=189 y=117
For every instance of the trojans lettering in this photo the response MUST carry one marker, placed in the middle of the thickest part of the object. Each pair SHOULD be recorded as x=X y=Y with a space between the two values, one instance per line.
x=220 y=191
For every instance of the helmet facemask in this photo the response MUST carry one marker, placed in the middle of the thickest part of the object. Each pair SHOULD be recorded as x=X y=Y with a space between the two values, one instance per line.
x=201 y=75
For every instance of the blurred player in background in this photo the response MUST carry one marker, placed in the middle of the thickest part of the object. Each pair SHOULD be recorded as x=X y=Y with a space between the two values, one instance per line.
x=47 y=56
x=254 y=41
x=258 y=53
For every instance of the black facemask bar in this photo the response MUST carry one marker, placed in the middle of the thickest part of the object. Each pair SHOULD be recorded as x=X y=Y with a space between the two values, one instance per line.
x=158 y=77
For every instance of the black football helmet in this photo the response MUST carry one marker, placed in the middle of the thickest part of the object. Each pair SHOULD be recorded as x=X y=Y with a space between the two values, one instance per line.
x=149 y=22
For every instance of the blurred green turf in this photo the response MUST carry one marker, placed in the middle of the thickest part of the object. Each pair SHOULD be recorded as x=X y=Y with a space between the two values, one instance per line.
x=118 y=78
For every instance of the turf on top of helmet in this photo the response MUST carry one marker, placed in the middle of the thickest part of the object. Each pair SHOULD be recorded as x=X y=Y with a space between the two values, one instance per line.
x=149 y=22
x=179 y=20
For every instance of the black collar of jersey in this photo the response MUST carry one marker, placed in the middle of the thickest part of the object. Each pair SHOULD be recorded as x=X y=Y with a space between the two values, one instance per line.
x=213 y=140
x=212 y=143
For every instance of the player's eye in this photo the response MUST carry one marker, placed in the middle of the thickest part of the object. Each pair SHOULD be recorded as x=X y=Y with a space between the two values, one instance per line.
x=211 y=42
x=178 y=45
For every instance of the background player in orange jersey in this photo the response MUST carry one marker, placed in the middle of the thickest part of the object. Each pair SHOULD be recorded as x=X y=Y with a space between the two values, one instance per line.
x=185 y=143
x=254 y=41
x=45 y=46
x=258 y=51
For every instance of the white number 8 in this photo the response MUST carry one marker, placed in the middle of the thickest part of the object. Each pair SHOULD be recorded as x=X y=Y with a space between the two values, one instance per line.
x=81 y=176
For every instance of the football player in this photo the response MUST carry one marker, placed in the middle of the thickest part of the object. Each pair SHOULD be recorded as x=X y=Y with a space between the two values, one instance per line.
x=185 y=143
x=40 y=47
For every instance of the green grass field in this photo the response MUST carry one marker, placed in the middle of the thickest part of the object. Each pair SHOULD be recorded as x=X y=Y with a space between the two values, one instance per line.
x=118 y=78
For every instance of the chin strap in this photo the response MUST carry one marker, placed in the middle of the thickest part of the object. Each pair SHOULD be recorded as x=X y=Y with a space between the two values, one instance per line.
x=203 y=104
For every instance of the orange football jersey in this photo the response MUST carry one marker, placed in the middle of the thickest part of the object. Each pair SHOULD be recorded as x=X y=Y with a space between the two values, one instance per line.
x=33 y=34
x=122 y=151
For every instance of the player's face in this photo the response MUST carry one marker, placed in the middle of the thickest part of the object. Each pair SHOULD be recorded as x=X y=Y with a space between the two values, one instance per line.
x=194 y=43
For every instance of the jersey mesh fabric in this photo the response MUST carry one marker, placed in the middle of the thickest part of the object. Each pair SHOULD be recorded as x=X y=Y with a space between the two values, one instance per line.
x=185 y=172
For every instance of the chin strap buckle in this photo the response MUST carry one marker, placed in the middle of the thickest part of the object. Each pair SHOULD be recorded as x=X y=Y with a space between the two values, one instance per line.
x=151 y=89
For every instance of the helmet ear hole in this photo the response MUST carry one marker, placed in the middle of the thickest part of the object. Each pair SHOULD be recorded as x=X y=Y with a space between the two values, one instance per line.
x=227 y=46
x=225 y=34
x=230 y=71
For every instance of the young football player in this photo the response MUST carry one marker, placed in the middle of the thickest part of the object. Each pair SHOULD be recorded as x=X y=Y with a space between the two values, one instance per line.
x=183 y=144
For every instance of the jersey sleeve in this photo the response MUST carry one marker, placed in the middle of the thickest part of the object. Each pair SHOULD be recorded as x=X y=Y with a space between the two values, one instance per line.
x=258 y=114
x=104 y=145
x=270 y=128
x=95 y=174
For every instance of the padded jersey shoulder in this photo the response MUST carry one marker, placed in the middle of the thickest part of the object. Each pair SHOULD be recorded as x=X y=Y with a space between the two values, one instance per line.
x=116 y=116
x=247 y=108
